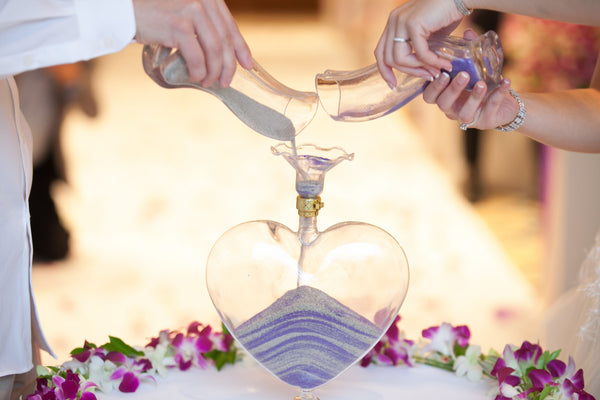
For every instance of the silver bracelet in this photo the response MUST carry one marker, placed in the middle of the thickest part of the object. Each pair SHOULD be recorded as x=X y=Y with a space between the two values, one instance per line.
x=519 y=118
x=462 y=8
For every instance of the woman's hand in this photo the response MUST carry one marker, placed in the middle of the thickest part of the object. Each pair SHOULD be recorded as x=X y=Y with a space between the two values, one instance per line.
x=413 y=23
x=477 y=108
x=204 y=31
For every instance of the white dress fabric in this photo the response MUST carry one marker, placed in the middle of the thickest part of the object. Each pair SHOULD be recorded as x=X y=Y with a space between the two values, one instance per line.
x=574 y=322
x=34 y=34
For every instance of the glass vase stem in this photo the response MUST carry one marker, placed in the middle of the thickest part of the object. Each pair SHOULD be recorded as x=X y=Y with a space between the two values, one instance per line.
x=307 y=230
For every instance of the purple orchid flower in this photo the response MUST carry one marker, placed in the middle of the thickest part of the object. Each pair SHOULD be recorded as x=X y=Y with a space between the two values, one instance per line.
x=62 y=388
x=556 y=368
x=539 y=379
x=569 y=379
x=129 y=383
x=393 y=332
x=505 y=376
x=88 y=396
x=88 y=352
x=116 y=357
x=163 y=337
x=444 y=337
x=528 y=353
x=518 y=373
x=395 y=355
x=392 y=349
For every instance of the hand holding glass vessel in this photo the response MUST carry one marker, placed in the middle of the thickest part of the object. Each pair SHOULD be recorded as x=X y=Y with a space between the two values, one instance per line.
x=363 y=95
x=255 y=97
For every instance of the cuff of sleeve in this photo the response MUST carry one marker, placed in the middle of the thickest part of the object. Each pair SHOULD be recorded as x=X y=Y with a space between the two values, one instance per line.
x=106 y=26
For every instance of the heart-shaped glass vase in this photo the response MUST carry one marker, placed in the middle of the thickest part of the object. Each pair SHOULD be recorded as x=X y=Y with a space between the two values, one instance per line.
x=307 y=305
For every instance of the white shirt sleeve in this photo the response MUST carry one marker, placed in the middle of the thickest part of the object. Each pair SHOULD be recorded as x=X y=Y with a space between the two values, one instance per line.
x=39 y=33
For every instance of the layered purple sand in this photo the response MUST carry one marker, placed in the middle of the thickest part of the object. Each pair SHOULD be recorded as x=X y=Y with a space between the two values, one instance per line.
x=306 y=337
x=467 y=65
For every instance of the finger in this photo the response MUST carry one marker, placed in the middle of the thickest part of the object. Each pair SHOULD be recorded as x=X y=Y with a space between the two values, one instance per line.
x=404 y=60
x=240 y=47
x=194 y=57
x=242 y=50
x=229 y=66
x=424 y=55
x=237 y=49
x=227 y=28
x=388 y=75
x=447 y=100
x=469 y=34
x=435 y=88
x=402 y=54
x=419 y=72
x=384 y=69
x=434 y=72
x=211 y=42
x=389 y=43
x=472 y=104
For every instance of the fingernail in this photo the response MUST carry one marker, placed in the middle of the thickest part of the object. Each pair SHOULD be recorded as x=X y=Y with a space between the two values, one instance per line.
x=391 y=85
x=479 y=86
x=462 y=77
x=444 y=78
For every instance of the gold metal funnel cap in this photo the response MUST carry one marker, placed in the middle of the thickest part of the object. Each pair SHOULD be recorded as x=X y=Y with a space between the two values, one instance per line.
x=309 y=206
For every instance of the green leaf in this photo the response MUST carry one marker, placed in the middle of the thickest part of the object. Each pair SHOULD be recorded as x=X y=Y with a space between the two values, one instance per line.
x=120 y=346
x=77 y=350
x=546 y=357
x=42 y=371
x=221 y=357
x=488 y=362
x=543 y=360
x=494 y=353
x=224 y=329
x=544 y=393
x=87 y=346
x=459 y=350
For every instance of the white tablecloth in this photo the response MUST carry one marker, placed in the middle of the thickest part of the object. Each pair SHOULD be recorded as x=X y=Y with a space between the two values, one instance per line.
x=252 y=383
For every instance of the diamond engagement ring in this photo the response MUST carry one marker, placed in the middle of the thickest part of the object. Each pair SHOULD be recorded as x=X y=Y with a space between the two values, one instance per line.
x=401 y=40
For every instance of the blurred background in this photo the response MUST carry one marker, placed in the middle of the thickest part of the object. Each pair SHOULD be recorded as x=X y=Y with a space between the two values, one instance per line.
x=134 y=183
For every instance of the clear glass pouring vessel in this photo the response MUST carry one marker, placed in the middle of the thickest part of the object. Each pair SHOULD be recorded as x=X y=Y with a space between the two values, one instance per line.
x=363 y=95
x=307 y=305
x=255 y=97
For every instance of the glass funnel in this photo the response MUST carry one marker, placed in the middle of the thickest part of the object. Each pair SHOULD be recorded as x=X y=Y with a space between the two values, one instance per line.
x=307 y=305
x=255 y=97
x=363 y=94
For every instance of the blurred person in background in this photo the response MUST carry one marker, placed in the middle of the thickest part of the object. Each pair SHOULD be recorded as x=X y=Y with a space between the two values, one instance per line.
x=46 y=94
